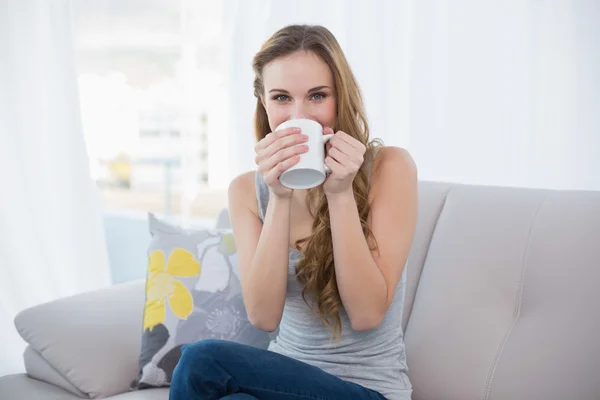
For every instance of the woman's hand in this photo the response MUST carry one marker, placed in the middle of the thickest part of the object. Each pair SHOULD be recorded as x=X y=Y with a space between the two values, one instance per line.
x=277 y=152
x=345 y=155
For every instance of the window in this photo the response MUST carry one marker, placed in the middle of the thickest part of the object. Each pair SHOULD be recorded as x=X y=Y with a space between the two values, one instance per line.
x=145 y=71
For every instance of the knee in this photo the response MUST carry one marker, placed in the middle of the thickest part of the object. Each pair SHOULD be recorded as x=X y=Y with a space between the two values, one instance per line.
x=194 y=353
x=197 y=370
x=204 y=352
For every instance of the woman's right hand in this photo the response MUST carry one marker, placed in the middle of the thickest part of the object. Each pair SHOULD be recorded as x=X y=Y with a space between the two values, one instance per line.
x=277 y=152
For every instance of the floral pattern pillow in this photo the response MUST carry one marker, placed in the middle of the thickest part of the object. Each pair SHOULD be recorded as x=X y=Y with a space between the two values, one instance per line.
x=193 y=292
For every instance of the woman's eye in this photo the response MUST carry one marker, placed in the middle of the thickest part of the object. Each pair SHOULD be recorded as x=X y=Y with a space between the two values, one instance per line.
x=318 y=96
x=281 y=97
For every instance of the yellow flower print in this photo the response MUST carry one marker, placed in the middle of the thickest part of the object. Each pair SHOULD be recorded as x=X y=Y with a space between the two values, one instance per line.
x=227 y=245
x=161 y=286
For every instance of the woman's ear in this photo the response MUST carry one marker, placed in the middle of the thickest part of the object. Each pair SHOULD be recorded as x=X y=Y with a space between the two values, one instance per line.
x=262 y=101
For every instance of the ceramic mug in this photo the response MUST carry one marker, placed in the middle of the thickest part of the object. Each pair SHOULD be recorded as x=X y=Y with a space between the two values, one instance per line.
x=311 y=170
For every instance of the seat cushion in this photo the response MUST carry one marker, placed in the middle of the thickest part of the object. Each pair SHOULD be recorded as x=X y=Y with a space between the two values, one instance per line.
x=22 y=387
x=146 y=394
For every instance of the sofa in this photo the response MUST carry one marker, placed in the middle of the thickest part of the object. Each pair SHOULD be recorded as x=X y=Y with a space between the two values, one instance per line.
x=503 y=303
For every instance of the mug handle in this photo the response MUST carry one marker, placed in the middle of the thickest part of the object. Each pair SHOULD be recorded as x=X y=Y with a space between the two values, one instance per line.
x=327 y=138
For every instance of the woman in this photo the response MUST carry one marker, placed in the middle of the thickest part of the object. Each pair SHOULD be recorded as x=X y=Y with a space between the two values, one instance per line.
x=340 y=334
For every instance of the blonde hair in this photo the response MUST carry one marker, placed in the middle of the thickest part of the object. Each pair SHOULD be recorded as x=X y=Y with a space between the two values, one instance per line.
x=315 y=271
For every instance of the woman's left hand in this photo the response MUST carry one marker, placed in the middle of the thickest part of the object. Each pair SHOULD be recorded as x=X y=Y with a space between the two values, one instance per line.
x=345 y=155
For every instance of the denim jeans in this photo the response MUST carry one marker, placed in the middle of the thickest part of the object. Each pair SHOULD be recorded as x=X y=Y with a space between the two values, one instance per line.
x=217 y=369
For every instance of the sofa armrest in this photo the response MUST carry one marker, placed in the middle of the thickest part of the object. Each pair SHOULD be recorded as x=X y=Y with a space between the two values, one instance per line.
x=92 y=339
x=39 y=369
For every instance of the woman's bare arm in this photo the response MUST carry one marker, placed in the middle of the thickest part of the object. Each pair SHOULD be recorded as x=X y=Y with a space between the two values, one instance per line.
x=262 y=251
x=367 y=279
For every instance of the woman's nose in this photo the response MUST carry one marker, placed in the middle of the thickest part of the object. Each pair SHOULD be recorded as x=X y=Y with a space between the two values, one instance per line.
x=300 y=111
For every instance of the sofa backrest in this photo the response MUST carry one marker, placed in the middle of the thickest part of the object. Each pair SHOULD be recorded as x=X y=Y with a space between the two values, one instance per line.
x=503 y=299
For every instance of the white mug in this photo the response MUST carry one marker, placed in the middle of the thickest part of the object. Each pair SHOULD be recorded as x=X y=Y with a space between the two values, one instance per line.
x=311 y=170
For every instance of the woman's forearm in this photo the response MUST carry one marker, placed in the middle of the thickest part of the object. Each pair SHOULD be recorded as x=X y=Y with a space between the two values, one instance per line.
x=267 y=279
x=361 y=284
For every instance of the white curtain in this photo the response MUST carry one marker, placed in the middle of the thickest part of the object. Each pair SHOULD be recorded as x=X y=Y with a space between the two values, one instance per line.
x=485 y=92
x=51 y=234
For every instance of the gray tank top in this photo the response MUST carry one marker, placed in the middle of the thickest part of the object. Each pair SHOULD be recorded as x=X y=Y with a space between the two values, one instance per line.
x=375 y=359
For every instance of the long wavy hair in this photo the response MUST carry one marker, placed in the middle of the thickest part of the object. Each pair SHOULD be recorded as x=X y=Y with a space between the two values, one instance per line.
x=315 y=270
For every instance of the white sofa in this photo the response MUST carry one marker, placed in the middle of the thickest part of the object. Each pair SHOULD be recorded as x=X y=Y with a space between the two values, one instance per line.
x=503 y=303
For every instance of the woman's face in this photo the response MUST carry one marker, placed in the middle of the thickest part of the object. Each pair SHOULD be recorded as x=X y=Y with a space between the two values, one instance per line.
x=299 y=86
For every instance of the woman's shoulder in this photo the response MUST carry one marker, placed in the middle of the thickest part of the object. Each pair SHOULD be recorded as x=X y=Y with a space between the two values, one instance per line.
x=242 y=191
x=392 y=158
x=243 y=183
x=391 y=166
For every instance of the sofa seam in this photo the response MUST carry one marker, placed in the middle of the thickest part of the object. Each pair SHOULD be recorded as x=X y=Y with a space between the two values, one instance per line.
x=437 y=219
x=518 y=305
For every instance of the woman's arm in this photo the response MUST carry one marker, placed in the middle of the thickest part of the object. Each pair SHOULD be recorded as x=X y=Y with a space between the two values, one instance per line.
x=367 y=280
x=262 y=251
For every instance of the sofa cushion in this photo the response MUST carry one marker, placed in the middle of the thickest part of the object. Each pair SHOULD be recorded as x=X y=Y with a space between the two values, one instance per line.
x=507 y=304
x=193 y=292
x=92 y=339
x=147 y=394
x=432 y=196
x=22 y=387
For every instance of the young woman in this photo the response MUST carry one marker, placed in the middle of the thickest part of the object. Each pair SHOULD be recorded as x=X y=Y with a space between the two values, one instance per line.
x=324 y=265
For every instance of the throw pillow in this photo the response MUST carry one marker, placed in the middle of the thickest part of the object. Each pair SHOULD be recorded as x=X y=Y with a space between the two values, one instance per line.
x=193 y=292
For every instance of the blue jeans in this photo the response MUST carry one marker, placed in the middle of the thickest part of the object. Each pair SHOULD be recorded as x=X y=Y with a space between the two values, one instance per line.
x=218 y=369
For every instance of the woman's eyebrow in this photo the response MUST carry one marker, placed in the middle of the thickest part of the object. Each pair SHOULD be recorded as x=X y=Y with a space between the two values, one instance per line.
x=315 y=89
x=279 y=90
